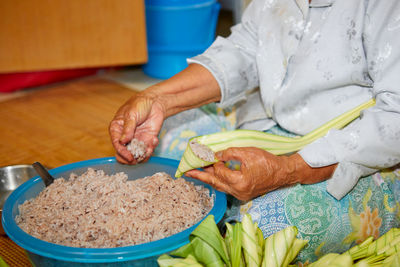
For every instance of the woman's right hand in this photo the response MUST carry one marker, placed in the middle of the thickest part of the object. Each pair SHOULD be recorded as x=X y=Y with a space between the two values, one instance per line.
x=141 y=117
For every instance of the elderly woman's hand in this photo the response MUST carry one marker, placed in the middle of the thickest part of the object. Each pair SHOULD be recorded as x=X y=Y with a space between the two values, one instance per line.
x=141 y=117
x=260 y=172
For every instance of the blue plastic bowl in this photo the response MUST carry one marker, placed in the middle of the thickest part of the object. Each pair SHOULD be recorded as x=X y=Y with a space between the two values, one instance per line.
x=43 y=253
x=177 y=30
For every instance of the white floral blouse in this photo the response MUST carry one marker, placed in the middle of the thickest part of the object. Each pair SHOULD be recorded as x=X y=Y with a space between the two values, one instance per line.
x=313 y=62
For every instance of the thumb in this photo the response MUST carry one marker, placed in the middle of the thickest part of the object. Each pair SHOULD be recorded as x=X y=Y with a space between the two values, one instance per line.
x=128 y=131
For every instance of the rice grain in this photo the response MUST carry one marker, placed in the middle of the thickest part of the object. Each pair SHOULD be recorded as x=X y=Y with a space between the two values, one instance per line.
x=95 y=210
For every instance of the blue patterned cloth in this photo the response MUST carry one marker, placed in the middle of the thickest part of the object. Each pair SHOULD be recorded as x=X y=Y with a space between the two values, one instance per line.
x=370 y=209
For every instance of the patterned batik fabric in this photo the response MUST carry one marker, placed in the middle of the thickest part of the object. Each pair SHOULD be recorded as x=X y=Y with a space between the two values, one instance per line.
x=370 y=209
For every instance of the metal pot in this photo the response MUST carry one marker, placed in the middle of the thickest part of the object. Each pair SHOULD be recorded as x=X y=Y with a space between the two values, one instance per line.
x=10 y=178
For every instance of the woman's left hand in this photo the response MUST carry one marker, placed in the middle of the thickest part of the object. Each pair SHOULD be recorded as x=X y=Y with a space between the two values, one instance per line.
x=260 y=172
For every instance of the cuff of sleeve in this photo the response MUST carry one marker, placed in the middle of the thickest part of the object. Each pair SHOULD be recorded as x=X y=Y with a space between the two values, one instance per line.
x=319 y=153
x=322 y=153
x=345 y=177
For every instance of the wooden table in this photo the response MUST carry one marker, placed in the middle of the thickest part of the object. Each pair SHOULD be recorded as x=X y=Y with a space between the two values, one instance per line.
x=60 y=124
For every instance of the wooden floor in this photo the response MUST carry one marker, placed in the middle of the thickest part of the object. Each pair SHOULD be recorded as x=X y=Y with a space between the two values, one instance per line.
x=60 y=124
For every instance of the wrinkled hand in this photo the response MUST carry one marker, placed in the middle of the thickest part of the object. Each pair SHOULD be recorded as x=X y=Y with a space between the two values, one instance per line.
x=141 y=117
x=260 y=172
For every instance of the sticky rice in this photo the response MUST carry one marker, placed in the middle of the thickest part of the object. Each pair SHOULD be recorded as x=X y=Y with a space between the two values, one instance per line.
x=95 y=210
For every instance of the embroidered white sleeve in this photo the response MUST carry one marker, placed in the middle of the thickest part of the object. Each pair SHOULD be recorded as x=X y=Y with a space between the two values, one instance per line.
x=373 y=141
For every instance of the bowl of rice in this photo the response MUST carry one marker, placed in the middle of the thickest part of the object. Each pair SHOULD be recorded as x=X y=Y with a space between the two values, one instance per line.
x=102 y=213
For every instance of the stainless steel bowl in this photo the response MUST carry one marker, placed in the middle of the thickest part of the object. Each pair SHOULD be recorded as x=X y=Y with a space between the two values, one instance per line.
x=10 y=178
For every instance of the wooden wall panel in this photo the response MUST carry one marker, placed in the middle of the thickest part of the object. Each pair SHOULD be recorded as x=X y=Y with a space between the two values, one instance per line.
x=60 y=34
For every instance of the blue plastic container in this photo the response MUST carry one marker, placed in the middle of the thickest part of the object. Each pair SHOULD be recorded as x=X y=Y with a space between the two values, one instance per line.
x=177 y=30
x=43 y=253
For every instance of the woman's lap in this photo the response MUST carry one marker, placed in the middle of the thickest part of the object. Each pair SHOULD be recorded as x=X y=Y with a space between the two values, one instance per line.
x=329 y=225
x=371 y=208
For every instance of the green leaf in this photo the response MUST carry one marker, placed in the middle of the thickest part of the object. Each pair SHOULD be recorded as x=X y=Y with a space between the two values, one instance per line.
x=251 y=248
x=260 y=238
x=275 y=144
x=229 y=240
x=355 y=249
x=333 y=259
x=370 y=261
x=183 y=251
x=208 y=232
x=167 y=261
x=298 y=244
x=392 y=261
x=378 y=244
x=278 y=245
x=390 y=248
x=233 y=241
x=206 y=254
x=3 y=263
